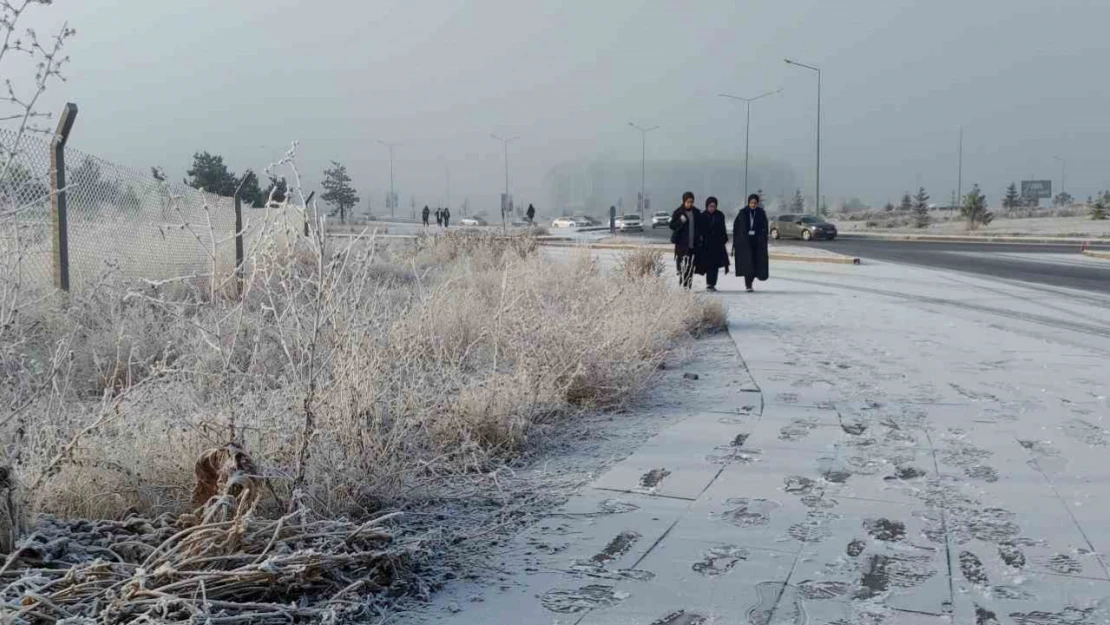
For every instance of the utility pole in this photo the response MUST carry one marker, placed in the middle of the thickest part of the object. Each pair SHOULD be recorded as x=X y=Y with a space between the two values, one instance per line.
x=747 y=129
x=817 y=196
x=392 y=200
x=643 y=164
x=505 y=201
x=960 y=174
x=1063 y=172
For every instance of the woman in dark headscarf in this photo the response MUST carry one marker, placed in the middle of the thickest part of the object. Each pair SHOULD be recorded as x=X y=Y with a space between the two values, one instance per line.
x=714 y=244
x=684 y=234
x=749 y=242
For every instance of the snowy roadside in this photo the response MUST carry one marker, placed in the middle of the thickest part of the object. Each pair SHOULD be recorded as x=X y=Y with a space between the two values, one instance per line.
x=911 y=446
x=1082 y=226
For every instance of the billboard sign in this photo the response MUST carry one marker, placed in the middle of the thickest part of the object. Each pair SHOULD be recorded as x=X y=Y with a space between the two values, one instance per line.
x=1036 y=189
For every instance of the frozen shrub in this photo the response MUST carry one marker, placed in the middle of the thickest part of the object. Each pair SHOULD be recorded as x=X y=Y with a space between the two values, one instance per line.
x=642 y=262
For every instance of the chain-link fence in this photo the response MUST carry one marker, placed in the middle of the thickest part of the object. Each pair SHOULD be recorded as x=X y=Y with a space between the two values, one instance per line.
x=119 y=220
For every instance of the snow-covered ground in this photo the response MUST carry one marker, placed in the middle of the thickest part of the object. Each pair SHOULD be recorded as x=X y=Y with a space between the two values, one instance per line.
x=897 y=446
x=1038 y=226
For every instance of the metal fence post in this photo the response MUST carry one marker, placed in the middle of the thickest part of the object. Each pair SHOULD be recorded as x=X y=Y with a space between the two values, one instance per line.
x=307 y=204
x=239 y=243
x=58 y=215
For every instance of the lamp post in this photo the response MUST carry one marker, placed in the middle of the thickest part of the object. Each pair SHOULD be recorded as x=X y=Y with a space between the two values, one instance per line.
x=504 y=203
x=392 y=202
x=816 y=198
x=1063 y=172
x=748 y=127
x=960 y=170
x=643 y=163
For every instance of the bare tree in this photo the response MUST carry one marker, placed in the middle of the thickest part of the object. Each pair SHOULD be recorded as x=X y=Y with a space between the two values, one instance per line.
x=22 y=49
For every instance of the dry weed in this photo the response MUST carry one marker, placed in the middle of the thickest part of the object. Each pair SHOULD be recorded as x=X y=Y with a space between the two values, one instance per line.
x=348 y=373
x=358 y=376
x=642 y=262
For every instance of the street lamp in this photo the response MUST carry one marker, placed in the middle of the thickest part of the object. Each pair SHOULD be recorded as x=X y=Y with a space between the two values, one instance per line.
x=643 y=163
x=504 y=203
x=392 y=202
x=818 y=70
x=747 y=127
x=1063 y=171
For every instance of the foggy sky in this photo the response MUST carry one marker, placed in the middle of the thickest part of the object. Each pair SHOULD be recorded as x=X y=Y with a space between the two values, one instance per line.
x=157 y=81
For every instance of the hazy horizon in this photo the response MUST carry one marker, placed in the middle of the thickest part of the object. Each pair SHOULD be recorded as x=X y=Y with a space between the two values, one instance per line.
x=157 y=82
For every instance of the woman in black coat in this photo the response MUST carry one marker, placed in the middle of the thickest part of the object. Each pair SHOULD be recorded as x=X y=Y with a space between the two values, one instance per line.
x=714 y=244
x=685 y=233
x=749 y=242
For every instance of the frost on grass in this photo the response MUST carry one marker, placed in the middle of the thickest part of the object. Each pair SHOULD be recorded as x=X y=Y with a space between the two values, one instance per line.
x=360 y=379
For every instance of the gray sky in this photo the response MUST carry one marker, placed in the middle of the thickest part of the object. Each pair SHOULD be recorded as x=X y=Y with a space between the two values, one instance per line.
x=156 y=81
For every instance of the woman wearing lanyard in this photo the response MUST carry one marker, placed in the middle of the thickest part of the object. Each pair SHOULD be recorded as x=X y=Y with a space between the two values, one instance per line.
x=749 y=242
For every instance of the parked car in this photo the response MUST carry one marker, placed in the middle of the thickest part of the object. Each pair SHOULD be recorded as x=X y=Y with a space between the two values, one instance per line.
x=630 y=223
x=585 y=221
x=474 y=221
x=662 y=219
x=565 y=222
x=804 y=227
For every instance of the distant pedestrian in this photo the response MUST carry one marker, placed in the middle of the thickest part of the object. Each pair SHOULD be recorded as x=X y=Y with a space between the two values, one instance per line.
x=446 y=217
x=531 y=215
x=425 y=215
x=684 y=235
x=712 y=253
x=612 y=220
x=439 y=216
x=749 y=242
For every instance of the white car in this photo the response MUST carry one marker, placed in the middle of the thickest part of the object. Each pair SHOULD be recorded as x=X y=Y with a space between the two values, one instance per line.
x=662 y=219
x=565 y=222
x=630 y=223
x=474 y=221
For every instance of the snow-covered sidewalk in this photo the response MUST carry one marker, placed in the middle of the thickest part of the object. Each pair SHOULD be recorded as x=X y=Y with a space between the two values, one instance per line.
x=905 y=446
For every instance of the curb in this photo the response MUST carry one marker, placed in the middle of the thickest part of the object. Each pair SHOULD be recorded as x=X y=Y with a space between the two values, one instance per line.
x=838 y=259
x=1096 y=254
x=798 y=258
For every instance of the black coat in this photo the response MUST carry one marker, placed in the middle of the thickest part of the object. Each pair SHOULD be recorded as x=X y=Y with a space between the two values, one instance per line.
x=713 y=242
x=750 y=251
x=680 y=230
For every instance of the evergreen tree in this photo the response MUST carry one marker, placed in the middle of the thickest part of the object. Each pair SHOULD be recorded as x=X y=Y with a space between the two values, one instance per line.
x=974 y=209
x=88 y=182
x=921 y=208
x=889 y=207
x=1062 y=199
x=1100 y=206
x=20 y=187
x=249 y=191
x=338 y=190
x=798 y=203
x=277 y=190
x=209 y=173
x=1012 y=199
x=907 y=203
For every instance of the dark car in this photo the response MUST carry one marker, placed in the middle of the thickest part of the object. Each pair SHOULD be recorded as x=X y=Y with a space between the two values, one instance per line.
x=804 y=227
